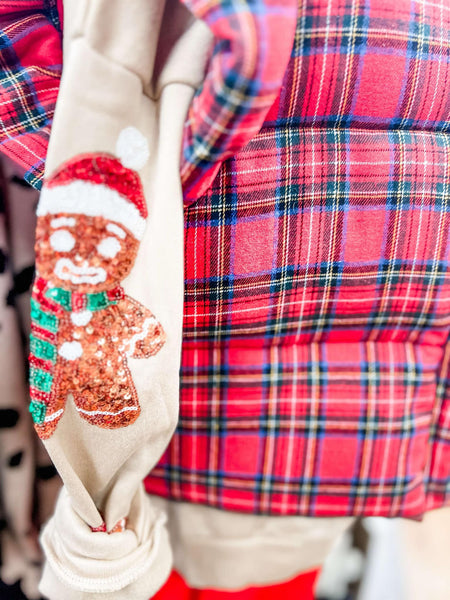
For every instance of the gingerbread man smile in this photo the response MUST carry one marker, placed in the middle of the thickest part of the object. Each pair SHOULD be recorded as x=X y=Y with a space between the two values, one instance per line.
x=67 y=271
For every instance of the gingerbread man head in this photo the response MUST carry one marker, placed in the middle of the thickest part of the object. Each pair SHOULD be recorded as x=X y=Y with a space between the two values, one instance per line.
x=91 y=218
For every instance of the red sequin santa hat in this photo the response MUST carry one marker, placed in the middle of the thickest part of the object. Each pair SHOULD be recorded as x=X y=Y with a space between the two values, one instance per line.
x=99 y=184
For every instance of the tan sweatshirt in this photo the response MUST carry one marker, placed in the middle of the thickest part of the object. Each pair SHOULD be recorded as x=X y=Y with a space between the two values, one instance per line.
x=108 y=316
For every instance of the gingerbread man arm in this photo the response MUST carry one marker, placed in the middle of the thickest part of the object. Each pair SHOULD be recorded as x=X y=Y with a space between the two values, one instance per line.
x=142 y=334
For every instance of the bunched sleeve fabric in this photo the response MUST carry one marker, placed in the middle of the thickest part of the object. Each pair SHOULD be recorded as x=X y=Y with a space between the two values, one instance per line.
x=253 y=40
x=30 y=71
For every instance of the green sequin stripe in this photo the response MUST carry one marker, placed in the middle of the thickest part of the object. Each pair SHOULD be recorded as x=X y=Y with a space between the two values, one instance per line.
x=41 y=380
x=37 y=410
x=42 y=349
x=94 y=302
x=98 y=301
x=45 y=320
x=63 y=297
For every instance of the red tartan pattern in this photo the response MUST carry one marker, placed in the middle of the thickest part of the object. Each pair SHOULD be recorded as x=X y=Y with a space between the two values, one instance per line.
x=316 y=312
x=376 y=64
x=30 y=70
x=315 y=371
x=314 y=377
x=251 y=51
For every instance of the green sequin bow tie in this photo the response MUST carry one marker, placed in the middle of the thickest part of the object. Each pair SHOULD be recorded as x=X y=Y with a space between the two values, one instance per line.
x=75 y=302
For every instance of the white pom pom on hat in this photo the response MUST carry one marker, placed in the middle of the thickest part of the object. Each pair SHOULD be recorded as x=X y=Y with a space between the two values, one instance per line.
x=132 y=148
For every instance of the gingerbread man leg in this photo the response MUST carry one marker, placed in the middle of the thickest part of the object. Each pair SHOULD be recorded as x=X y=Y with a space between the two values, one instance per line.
x=54 y=408
x=111 y=405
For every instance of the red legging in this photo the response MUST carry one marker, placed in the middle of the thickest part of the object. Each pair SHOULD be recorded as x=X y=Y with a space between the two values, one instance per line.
x=300 y=588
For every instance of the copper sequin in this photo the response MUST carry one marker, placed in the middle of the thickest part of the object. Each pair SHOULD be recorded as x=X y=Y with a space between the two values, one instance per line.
x=91 y=350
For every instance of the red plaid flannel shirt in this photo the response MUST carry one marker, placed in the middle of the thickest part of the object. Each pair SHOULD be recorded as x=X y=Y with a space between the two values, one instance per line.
x=30 y=70
x=316 y=357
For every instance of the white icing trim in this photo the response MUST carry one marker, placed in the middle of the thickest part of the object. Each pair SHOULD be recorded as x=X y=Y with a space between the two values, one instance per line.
x=131 y=344
x=106 y=412
x=132 y=148
x=109 y=247
x=93 y=200
x=71 y=350
x=62 y=241
x=54 y=416
x=116 y=230
x=67 y=271
x=63 y=222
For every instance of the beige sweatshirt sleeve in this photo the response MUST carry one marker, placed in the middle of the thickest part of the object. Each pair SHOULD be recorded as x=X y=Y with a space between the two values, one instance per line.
x=107 y=303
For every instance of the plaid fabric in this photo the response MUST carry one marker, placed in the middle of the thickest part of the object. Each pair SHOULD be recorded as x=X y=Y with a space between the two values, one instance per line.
x=30 y=69
x=253 y=40
x=315 y=368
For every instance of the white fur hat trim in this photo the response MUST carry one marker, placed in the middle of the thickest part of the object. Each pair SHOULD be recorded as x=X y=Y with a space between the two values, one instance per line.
x=92 y=200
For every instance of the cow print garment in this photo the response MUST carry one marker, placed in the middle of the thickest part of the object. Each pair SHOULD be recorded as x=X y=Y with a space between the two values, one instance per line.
x=28 y=481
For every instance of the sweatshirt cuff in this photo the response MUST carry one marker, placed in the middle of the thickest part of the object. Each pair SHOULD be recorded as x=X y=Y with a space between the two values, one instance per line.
x=86 y=565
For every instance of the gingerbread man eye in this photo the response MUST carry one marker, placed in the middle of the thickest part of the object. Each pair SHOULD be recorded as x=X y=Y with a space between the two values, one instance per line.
x=62 y=241
x=109 y=247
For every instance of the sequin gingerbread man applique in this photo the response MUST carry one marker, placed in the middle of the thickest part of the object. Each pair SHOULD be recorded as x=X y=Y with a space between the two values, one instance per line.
x=91 y=218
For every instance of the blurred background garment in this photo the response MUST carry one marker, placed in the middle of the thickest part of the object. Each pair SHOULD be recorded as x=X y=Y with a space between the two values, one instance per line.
x=28 y=480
